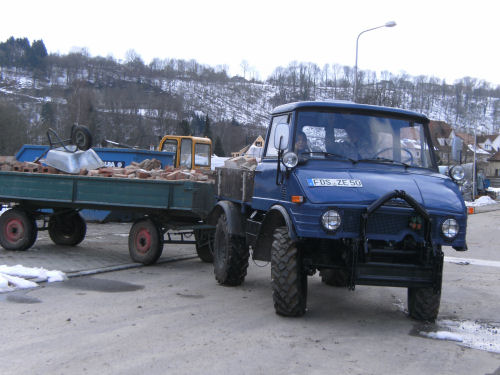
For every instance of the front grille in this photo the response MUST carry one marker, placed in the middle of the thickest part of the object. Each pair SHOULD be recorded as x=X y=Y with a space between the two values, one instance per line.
x=379 y=222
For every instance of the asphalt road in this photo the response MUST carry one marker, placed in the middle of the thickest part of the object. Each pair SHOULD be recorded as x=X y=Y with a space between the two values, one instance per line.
x=172 y=318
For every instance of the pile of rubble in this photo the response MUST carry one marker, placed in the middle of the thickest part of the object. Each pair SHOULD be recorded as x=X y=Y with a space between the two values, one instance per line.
x=149 y=169
x=241 y=162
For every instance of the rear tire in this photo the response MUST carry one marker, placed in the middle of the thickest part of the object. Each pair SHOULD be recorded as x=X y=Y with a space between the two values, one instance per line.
x=67 y=229
x=230 y=255
x=18 y=230
x=289 y=281
x=145 y=242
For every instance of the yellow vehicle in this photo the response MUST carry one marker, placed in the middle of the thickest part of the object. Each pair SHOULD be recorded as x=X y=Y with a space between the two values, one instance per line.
x=184 y=147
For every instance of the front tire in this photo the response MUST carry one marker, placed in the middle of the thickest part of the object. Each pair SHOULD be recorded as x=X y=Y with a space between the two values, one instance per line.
x=67 y=229
x=423 y=303
x=230 y=255
x=289 y=281
x=18 y=230
x=145 y=242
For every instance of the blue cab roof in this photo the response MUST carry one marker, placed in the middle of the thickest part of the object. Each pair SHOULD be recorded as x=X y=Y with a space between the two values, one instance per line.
x=346 y=105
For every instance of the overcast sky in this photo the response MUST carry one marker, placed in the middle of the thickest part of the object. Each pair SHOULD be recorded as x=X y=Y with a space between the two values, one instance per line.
x=442 y=38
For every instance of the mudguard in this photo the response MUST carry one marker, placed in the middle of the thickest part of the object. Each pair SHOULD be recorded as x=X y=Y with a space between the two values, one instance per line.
x=233 y=215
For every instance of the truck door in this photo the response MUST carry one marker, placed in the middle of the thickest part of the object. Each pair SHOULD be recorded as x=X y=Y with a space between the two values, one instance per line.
x=266 y=192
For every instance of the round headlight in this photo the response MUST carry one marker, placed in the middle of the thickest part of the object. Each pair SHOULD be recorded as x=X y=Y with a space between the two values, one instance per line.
x=450 y=228
x=331 y=220
x=290 y=160
x=457 y=173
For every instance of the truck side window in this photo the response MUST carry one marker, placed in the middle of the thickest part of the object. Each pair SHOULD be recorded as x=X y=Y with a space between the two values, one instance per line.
x=186 y=149
x=170 y=145
x=201 y=154
x=271 y=150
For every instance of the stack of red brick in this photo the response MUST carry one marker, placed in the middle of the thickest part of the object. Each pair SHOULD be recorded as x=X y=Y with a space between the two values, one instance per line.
x=147 y=169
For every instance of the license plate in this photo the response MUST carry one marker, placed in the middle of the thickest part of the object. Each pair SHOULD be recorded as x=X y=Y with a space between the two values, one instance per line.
x=335 y=182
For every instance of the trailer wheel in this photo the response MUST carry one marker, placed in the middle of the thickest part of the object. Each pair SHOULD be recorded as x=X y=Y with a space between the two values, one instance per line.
x=288 y=279
x=230 y=255
x=82 y=138
x=67 y=229
x=335 y=277
x=145 y=242
x=204 y=244
x=18 y=230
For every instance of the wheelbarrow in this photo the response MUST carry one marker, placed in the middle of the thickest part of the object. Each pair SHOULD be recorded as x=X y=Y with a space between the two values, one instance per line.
x=73 y=154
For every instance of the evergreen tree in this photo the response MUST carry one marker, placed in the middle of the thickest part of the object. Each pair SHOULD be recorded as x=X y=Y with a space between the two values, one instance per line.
x=207 y=131
x=37 y=55
x=218 y=149
x=184 y=128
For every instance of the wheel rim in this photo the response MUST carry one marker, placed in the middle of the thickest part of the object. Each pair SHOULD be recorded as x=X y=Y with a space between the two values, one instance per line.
x=143 y=241
x=14 y=230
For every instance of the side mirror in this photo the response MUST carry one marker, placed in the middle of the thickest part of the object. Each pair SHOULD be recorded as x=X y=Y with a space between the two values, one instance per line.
x=281 y=135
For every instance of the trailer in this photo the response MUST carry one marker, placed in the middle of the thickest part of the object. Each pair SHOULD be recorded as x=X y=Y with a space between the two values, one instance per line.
x=52 y=202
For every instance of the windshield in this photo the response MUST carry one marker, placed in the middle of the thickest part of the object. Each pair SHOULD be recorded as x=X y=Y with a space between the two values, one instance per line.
x=362 y=138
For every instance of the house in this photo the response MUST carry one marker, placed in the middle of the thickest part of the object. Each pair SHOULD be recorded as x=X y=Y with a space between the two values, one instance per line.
x=442 y=137
x=254 y=149
x=485 y=142
x=495 y=141
x=469 y=147
x=493 y=167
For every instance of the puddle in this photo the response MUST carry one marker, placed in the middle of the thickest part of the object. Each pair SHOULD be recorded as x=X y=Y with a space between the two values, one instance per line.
x=196 y=296
x=101 y=285
x=18 y=298
x=475 y=335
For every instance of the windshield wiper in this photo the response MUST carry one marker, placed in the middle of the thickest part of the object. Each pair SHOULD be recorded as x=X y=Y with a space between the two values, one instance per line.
x=328 y=155
x=384 y=160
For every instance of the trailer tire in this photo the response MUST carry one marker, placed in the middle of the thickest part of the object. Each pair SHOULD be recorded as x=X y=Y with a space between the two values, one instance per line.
x=67 y=229
x=204 y=245
x=230 y=255
x=18 y=230
x=335 y=277
x=145 y=242
x=288 y=279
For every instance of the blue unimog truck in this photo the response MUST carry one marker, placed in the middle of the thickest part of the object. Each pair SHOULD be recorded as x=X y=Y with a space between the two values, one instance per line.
x=352 y=191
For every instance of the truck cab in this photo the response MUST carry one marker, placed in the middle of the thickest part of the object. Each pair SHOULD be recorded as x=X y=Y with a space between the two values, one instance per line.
x=189 y=152
x=352 y=191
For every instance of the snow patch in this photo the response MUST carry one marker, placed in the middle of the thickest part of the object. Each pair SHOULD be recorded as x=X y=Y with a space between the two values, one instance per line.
x=475 y=335
x=482 y=201
x=15 y=277
x=443 y=335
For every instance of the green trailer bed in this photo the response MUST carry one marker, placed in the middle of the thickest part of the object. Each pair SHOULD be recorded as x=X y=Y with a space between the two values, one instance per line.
x=158 y=204
x=187 y=198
